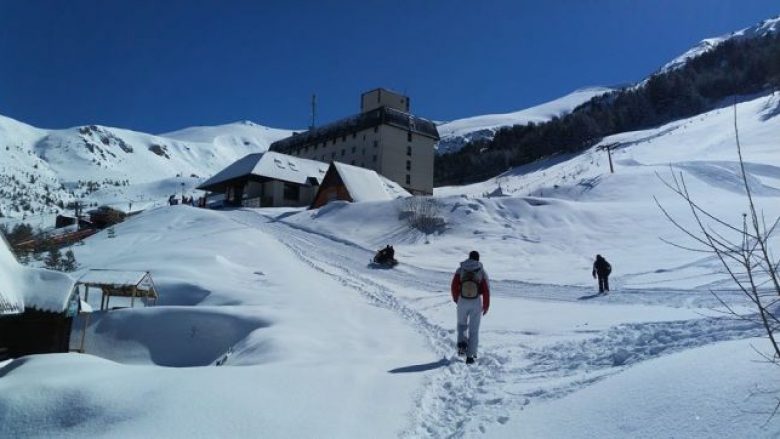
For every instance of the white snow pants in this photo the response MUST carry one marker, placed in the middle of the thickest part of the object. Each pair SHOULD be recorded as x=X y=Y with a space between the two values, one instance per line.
x=469 y=314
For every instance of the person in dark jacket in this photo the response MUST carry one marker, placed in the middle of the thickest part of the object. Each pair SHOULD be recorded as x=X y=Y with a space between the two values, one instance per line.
x=602 y=269
x=469 y=284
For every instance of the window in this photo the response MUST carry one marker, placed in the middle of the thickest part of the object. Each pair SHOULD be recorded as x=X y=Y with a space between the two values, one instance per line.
x=316 y=146
x=409 y=136
x=333 y=155
x=408 y=179
x=354 y=135
x=353 y=149
x=409 y=151
x=343 y=152
x=364 y=137
x=334 y=141
x=376 y=143
x=344 y=138
x=324 y=142
x=374 y=158
x=408 y=165
x=376 y=129
x=352 y=162
x=291 y=191
x=364 y=151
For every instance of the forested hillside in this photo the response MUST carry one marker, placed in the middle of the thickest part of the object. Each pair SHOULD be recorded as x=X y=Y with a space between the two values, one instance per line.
x=734 y=67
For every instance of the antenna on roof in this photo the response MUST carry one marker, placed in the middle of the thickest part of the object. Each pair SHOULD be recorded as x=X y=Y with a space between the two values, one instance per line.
x=313 y=111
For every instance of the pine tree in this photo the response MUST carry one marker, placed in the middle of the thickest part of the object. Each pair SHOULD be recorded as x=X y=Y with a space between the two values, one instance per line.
x=69 y=263
x=53 y=259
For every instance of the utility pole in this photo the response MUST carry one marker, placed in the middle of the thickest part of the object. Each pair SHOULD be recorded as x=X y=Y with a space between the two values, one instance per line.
x=313 y=111
x=609 y=155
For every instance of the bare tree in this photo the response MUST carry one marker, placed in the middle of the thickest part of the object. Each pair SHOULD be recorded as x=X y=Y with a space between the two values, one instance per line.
x=742 y=247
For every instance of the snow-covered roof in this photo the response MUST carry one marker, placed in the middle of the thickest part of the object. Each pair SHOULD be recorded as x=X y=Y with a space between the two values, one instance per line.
x=23 y=287
x=366 y=185
x=272 y=165
x=120 y=278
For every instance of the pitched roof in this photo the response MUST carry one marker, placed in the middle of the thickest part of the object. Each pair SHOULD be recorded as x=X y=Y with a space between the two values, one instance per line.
x=366 y=185
x=272 y=165
x=116 y=277
x=23 y=287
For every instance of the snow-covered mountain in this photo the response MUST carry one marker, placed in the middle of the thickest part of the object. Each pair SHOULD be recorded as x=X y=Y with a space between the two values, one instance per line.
x=455 y=134
x=42 y=170
x=765 y=27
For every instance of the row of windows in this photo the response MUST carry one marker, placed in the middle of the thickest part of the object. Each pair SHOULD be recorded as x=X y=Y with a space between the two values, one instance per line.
x=324 y=143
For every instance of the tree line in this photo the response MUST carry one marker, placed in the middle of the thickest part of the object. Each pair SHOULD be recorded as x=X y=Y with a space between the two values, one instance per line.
x=735 y=67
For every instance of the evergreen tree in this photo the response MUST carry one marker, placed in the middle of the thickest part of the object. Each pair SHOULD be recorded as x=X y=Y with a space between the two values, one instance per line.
x=69 y=263
x=53 y=259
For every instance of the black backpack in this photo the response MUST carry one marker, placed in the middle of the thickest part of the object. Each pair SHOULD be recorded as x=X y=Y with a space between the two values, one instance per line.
x=469 y=283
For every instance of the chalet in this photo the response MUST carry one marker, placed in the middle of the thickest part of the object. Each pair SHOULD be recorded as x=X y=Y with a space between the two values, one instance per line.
x=383 y=137
x=37 y=307
x=268 y=179
x=355 y=184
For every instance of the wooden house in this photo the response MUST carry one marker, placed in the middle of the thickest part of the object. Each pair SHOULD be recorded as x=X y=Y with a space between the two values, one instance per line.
x=267 y=179
x=355 y=184
x=37 y=307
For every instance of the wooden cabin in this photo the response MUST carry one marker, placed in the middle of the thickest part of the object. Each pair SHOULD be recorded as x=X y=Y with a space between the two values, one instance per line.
x=37 y=307
x=267 y=179
x=355 y=184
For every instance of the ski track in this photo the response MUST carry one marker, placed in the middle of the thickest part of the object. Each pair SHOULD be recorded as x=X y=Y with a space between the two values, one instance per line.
x=460 y=401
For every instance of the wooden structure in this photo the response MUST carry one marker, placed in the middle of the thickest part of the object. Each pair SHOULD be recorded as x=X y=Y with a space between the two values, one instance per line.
x=355 y=184
x=268 y=179
x=37 y=307
x=119 y=283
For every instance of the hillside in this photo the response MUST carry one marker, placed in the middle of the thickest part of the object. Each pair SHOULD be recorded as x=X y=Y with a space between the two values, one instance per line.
x=455 y=134
x=41 y=171
x=707 y=77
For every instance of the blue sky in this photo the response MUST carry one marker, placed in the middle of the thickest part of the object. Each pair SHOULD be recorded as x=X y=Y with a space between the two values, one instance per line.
x=157 y=66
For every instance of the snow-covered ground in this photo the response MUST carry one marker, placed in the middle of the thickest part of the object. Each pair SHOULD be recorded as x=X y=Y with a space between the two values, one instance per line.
x=314 y=342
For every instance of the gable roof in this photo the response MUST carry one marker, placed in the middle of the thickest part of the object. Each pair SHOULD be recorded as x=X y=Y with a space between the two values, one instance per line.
x=121 y=278
x=366 y=185
x=270 y=165
x=23 y=287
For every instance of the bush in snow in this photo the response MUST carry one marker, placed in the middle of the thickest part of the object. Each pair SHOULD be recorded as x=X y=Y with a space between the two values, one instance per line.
x=422 y=213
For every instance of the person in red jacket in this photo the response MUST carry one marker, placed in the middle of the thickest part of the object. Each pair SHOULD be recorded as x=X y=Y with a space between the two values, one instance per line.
x=471 y=292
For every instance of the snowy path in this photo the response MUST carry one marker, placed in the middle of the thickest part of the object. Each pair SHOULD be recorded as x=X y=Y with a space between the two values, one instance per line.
x=516 y=367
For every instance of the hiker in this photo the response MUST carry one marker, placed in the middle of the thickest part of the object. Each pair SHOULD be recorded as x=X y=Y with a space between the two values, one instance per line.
x=602 y=269
x=468 y=284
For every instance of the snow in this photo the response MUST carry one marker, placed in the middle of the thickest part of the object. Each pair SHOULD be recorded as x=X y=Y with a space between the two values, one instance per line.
x=272 y=165
x=457 y=133
x=23 y=287
x=272 y=322
x=113 y=277
x=366 y=185
x=113 y=166
x=765 y=27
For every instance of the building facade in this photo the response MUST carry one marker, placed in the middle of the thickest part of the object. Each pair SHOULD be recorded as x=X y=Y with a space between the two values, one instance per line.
x=384 y=137
x=267 y=179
